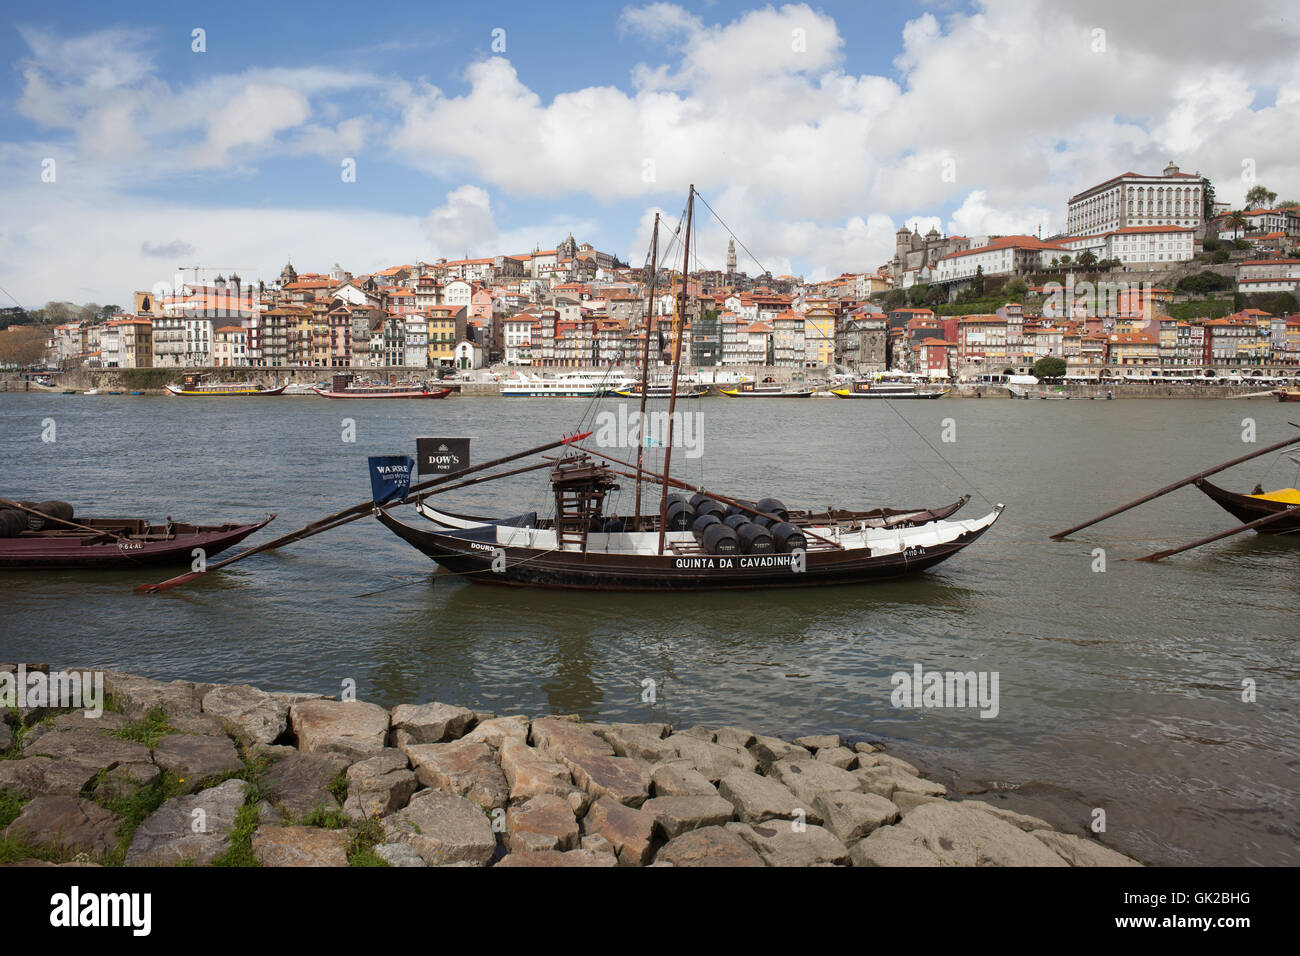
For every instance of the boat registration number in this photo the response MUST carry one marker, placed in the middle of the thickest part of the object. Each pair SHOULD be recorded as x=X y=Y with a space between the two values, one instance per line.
x=129 y=546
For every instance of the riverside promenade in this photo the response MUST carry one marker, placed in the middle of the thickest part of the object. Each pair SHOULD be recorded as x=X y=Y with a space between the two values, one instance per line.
x=180 y=773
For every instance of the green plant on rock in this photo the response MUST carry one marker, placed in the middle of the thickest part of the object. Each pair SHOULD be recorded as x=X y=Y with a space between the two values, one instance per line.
x=148 y=730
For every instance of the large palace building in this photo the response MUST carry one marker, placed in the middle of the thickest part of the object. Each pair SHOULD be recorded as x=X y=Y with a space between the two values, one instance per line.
x=1171 y=199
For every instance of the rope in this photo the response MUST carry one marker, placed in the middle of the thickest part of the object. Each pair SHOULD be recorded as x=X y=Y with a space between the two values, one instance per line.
x=955 y=469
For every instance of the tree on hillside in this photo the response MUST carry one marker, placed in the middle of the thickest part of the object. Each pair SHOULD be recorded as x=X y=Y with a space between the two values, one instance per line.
x=1236 y=222
x=1015 y=289
x=1207 y=208
x=1087 y=259
x=22 y=345
x=1287 y=204
x=1260 y=197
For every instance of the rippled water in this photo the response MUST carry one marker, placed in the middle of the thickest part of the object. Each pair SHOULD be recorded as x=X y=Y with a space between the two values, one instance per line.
x=1118 y=690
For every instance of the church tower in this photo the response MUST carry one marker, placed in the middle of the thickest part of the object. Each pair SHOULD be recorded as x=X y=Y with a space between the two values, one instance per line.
x=731 y=257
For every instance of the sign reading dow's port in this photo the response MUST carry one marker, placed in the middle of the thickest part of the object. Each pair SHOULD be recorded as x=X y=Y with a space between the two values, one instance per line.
x=442 y=456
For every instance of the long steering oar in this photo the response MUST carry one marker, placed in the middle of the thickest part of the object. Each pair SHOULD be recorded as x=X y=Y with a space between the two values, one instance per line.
x=1176 y=485
x=355 y=512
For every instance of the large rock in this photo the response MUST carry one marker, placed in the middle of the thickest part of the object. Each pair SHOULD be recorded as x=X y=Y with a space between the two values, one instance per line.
x=737 y=738
x=137 y=696
x=629 y=831
x=443 y=829
x=67 y=823
x=78 y=757
x=300 y=846
x=107 y=721
x=853 y=816
x=430 y=723
x=379 y=785
x=1077 y=851
x=768 y=750
x=175 y=833
x=300 y=783
x=640 y=741
x=710 y=846
x=866 y=760
x=32 y=776
x=1021 y=820
x=679 y=779
x=353 y=728
x=495 y=730
x=194 y=759
x=819 y=741
x=888 y=781
x=841 y=757
x=6 y=737
x=545 y=822
x=557 y=739
x=247 y=712
x=784 y=844
x=466 y=769
x=88 y=747
x=761 y=798
x=893 y=846
x=677 y=815
x=528 y=774
x=965 y=836
x=399 y=854
x=548 y=858
x=710 y=759
x=806 y=777
x=622 y=778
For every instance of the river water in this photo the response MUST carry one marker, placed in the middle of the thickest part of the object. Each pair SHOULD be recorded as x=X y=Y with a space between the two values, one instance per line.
x=1119 y=690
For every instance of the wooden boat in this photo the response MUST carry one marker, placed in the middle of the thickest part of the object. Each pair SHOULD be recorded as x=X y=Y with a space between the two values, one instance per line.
x=662 y=391
x=193 y=386
x=709 y=542
x=1288 y=394
x=118 y=543
x=572 y=555
x=891 y=390
x=1259 y=504
x=764 y=390
x=342 y=387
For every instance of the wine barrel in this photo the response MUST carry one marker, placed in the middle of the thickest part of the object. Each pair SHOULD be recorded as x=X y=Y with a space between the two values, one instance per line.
x=57 y=509
x=719 y=539
x=755 y=540
x=710 y=507
x=703 y=522
x=679 y=517
x=697 y=498
x=35 y=522
x=735 y=521
x=12 y=523
x=773 y=506
x=733 y=510
x=787 y=538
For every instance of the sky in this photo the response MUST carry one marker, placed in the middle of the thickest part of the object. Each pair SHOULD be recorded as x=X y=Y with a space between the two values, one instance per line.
x=326 y=133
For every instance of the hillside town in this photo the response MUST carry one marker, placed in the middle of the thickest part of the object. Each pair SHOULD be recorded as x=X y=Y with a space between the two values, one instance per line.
x=1118 y=292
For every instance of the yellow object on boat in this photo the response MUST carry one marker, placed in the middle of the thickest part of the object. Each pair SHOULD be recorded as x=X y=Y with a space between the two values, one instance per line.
x=1286 y=496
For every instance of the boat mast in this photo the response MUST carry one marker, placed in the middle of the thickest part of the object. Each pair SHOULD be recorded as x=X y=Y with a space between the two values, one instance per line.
x=645 y=367
x=678 y=318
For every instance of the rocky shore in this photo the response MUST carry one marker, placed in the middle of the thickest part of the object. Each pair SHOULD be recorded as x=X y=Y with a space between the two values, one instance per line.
x=180 y=773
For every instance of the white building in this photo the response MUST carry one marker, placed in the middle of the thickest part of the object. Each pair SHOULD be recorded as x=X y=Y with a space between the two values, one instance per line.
x=1173 y=198
x=1151 y=247
x=517 y=331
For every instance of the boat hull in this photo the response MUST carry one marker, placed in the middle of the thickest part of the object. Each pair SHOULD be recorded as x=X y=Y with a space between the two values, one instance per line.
x=1247 y=508
x=474 y=555
x=212 y=393
x=736 y=393
x=85 y=551
x=438 y=393
x=1286 y=395
x=887 y=396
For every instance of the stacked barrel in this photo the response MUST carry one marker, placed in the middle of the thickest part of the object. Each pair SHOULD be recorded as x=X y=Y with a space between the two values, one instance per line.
x=746 y=527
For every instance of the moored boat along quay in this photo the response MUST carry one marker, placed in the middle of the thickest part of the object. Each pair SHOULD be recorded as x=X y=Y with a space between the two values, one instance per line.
x=288 y=779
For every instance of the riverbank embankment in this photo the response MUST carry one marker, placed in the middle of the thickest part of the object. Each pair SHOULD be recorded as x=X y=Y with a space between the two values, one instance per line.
x=292 y=779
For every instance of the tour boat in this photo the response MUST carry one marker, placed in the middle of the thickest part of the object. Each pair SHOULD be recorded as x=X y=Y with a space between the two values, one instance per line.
x=709 y=541
x=895 y=390
x=192 y=385
x=579 y=384
x=662 y=391
x=1288 y=394
x=343 y=387
x=767 y=389
x=1258 y=504
x=110 y=543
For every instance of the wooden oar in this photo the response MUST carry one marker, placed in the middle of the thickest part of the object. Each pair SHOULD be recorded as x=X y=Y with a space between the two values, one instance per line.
x=1177 y=484
x=721 y=499
x=352 y=514
x=1291 y=511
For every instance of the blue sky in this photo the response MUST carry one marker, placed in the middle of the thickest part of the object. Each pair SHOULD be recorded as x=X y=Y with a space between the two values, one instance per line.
x=814 y=129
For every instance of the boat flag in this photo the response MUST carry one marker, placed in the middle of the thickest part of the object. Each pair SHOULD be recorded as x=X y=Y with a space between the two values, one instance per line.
x=390 y=477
